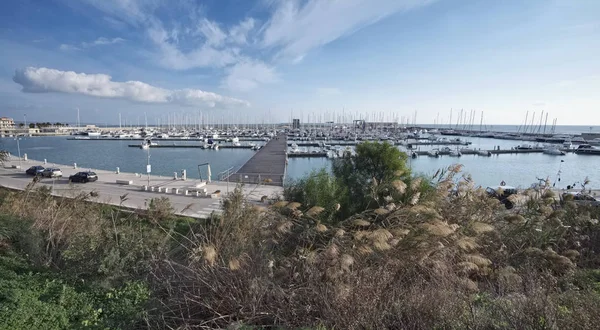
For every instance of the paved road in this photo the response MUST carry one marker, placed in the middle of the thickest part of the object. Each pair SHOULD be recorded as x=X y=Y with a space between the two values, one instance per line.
x=110 y=193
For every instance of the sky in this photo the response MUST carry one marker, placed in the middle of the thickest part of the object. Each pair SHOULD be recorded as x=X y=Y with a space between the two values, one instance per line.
x=272 y=60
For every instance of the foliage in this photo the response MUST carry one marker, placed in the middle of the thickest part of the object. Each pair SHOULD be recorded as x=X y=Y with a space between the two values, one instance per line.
x=435 y=254
x=4 y=155
x=373 y=163
x=418 y=253
x=319 y=188
x=33 y=299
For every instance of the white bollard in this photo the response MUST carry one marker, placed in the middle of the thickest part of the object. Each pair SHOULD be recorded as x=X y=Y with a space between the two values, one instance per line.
x=167 y=190
x=25 y=157
x=74 y=165
x=175 y=175
x=160 y=189
x=183 y=175
x=118 y=170
x=176 y=191
x=152 y=189
x=145 y=188
x=45 y=161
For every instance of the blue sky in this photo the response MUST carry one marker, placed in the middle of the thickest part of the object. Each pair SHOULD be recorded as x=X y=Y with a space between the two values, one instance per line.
x=268 y=60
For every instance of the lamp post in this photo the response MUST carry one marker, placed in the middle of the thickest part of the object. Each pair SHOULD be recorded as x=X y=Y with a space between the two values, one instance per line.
x=148 y=167
x=18 y=149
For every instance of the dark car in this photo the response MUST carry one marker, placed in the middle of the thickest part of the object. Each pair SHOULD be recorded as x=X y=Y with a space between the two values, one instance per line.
x=35 y=170
x=84 y=177
x=502 y=193
x=581 y=198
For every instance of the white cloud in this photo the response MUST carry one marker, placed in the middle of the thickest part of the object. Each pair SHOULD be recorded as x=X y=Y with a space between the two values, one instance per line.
x=299 y=26
x=248 y=74
x=170 y=56
x=328 y=91
x=44 y=80
x=212 y=33
x=239 y=33
x=103 y=41
x=68 y=48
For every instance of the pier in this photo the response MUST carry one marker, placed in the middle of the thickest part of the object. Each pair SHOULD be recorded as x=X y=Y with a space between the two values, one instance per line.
x=267 y=166
x=197 y=146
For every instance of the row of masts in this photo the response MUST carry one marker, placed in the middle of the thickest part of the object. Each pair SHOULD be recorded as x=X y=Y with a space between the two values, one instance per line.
x=464 y=120
x=533 y=128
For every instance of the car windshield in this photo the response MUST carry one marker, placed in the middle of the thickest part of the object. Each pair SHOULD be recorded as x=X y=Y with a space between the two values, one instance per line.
x=91 y=173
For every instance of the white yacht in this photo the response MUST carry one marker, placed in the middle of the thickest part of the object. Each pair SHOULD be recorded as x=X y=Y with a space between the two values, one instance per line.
x=553 y=151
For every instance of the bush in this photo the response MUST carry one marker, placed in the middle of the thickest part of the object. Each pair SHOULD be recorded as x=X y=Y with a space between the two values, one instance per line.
x=318 y=189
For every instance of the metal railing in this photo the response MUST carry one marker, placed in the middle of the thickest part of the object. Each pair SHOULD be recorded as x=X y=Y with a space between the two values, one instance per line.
x=222 y=176
x=257 y=178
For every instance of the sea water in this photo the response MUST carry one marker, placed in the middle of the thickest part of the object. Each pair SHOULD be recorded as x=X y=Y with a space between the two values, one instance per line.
x=519 y=170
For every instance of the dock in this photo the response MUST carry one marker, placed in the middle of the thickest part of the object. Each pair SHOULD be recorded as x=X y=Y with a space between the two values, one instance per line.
x=267 y=166
x=197 y=146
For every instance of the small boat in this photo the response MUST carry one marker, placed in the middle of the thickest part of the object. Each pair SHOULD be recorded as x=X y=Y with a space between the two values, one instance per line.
x=554 y=151
x=450 y=152
x=586 y=149
x=433 y=153
x=414 y=155
x=524 y=147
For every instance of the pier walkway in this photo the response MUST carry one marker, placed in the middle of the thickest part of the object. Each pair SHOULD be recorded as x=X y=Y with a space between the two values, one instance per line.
x=267 y=166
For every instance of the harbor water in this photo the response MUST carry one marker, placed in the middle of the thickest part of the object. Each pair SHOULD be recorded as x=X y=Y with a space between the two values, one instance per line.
x=519 y=170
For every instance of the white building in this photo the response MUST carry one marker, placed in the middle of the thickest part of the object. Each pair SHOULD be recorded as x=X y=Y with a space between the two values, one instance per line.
x=6 y=122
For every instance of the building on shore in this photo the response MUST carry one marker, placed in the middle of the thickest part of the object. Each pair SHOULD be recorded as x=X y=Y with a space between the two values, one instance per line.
x=6 y=122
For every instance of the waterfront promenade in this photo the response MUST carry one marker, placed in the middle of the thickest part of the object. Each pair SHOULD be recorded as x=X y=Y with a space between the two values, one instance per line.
x=267 y=165
x=110 y=192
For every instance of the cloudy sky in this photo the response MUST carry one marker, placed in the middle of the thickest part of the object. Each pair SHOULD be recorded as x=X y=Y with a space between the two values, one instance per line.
x=268 y=60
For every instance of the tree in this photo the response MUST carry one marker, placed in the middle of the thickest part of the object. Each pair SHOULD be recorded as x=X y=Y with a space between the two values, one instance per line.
x=32 y=125
x=374 y=163
x=21 y=125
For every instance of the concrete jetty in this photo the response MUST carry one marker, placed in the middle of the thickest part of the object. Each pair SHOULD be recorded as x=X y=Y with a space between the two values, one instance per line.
x=193 y=146
x=267 y=166
x=191 y=197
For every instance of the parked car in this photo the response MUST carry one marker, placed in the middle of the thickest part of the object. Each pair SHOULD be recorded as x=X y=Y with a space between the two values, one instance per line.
x=581 y=198
x=502 y=193
x=52 y=173
x=35 y=170
x=83 y=177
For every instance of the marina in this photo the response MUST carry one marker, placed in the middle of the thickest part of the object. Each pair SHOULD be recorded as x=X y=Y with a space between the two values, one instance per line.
x=239 y=155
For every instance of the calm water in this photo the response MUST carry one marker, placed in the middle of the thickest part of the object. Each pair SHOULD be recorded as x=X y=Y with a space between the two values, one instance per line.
x=517 y=169
x=108 y=155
